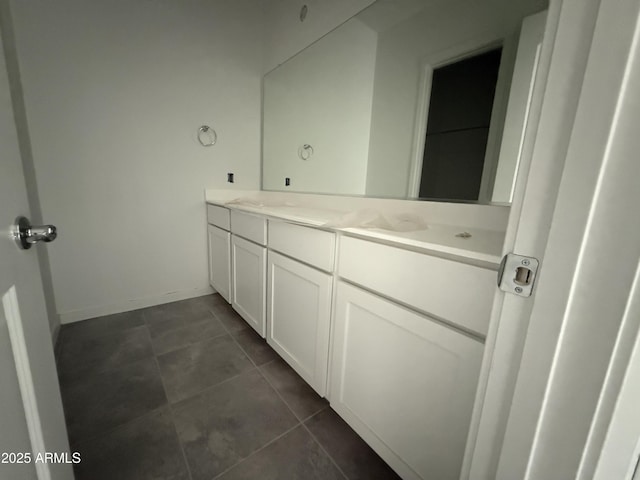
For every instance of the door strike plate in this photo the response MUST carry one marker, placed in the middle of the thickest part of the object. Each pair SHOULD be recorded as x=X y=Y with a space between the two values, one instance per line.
x=517 y=274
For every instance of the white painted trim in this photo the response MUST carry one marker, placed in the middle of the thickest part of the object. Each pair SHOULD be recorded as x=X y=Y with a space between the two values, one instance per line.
x=563 y=59
x=420 y=131
x=497 y=120
x=507 y=327
x=439 y=59
x=590 y=259
x=55 y=334
x=517 y=115
x=25 y=380
x=618 y=415
x=135 y=304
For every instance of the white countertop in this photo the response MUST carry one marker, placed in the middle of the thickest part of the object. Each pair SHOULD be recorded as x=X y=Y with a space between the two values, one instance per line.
x=483 y=247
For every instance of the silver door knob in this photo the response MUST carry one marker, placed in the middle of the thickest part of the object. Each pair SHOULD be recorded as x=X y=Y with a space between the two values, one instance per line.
x=27 y=234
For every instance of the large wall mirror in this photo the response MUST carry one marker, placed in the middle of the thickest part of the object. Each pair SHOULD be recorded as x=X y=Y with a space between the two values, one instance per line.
x=408 y=99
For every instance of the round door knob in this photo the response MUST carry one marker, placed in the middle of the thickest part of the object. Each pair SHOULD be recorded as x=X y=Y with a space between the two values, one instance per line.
x=27 y=234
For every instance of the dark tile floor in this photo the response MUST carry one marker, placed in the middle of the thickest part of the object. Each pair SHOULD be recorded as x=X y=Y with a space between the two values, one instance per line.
x=188 y=391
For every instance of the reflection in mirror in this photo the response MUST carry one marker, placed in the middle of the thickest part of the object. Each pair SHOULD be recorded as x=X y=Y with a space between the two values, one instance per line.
x=408 y=99
x=460 y=104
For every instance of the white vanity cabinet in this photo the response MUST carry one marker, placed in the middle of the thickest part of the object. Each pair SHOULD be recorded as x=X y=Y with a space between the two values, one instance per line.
x=405 y=380
x=299 y=298
x=220 y=261
x=456 y=292
x=248 y=263
x=298 y=312
x=219 y=246
x=392 y=337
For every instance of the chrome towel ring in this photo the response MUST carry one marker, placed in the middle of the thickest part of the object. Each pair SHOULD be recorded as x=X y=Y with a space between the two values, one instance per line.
x=207 y=136
x=305 y=151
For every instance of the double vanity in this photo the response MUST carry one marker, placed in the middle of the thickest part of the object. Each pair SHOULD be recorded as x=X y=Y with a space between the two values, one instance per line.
x=388 y=325
x=381 y=305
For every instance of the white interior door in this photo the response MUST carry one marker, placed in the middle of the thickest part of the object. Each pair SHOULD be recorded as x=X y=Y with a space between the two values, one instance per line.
x=620 y=454
x=31 y=416
x=555 y=95
x=584 y=316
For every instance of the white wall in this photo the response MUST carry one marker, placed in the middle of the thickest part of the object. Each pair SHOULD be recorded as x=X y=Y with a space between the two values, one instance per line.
x=287 y=35
x=301 y=99
x=444 y=29
x=114 y=94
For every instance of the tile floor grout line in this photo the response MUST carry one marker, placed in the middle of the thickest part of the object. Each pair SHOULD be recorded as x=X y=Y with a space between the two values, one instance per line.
x=171 y=413
x=110 y=430
x=236 y=341
x=199 y=392
x=211 y=387
x=325 y=450
x=297 y=425
x=81 y=378
x=316 y=413
x=77 y=325
x=259 y=368
x=301 y=420
x=301 y=423
x=68 y=385
x=254 y=368
x=170 y=406
x=190 y=344
x=227 y=332
x=180 y=445
x=279 y=395
x=184 y=454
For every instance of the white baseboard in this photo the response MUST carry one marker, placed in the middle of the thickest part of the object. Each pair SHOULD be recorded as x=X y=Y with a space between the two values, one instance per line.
x=135 y=304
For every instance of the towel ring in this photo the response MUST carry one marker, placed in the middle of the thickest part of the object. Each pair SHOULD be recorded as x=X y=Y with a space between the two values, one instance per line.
x=209 y=133
x=305 y=151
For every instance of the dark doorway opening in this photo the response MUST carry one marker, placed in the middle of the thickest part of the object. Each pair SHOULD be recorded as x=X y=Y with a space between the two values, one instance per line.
x=460 y=106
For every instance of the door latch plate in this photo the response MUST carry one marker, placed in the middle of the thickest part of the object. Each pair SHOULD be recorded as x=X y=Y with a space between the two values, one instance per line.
x=517 y=274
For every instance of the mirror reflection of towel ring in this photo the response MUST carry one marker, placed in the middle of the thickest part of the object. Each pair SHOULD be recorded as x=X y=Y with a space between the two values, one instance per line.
x=207 y=136
x=305 y=151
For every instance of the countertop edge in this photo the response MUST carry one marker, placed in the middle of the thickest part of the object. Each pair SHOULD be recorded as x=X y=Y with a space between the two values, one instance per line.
x=473 y=257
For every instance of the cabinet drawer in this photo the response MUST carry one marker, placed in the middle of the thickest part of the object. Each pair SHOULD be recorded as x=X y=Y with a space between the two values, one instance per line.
x=452 y=291
x=309 y=245
x=218 y=216
x=251 y=227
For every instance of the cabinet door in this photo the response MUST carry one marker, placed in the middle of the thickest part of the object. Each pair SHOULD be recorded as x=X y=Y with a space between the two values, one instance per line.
x=404 y=382
x=249 y=279
x=298 y=313
x=219 y=261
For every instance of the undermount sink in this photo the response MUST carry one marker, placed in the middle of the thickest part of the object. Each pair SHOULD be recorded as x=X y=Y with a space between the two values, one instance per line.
x=374 y=219
x=364 y=218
